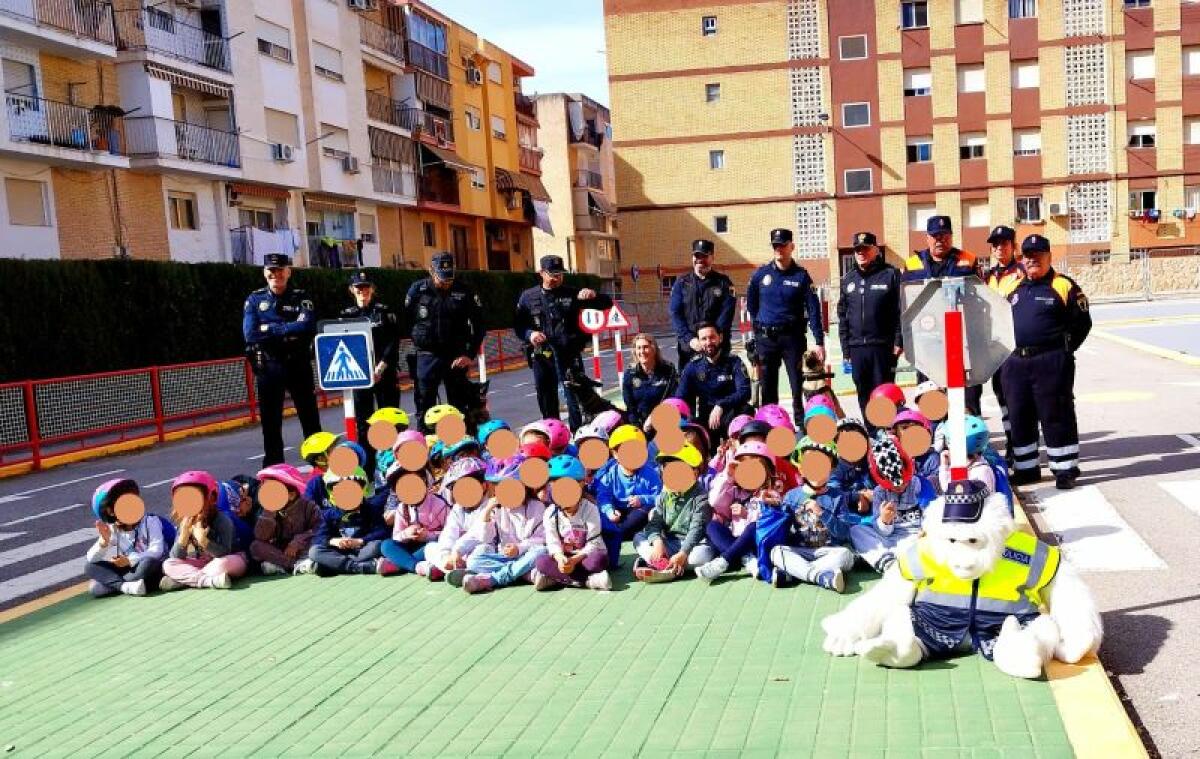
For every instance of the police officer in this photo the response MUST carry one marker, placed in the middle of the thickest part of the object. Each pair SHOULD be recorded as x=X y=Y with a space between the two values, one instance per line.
x=941 y=259
x=278 y=325
x=703 y=295
x=869 y=318
x=1050 y=322
x=714 y=384
x=1003 y=276
x=385 y=335
x=547 y=322
x=780 y=298
x=447 y=330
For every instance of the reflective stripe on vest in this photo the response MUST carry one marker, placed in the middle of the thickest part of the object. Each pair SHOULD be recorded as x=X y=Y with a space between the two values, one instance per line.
x=1014 y=585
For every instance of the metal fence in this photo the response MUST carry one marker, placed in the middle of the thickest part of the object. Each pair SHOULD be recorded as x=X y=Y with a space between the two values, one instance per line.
x=158 y=30
x=83 y=18
x=48 y=122
x=1146 y=274
x=153 y=136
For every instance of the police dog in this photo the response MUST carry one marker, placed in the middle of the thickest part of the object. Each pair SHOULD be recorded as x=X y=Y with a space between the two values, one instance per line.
x=816 y=381
x=591 y=403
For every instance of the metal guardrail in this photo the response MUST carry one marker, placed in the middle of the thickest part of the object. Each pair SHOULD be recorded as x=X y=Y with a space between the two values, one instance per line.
x=161 y=32
x=428 y=59
x=441 y=129
x=379 y=37
x=83 y=18
x=153 y=136
x=48 y=122
x=530 y=159
x=383 y=108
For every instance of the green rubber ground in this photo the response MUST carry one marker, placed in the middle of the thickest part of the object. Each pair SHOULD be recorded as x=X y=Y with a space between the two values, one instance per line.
x=356 y=666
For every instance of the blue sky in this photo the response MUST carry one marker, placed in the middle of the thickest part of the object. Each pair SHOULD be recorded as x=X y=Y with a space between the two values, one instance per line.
x=562 y=39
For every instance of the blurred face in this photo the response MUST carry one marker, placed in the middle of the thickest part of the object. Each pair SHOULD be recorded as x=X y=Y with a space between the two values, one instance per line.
x=534 y=437
x=363 y=294
x=443 y=284
x=644 y=353
x=551 y=281
x=710 y=341
x=1004 y=252
x=864 y=255
x=783 y=253
x=940 y=244
x=702 y=265
x=277 y=277
x=1037 y=265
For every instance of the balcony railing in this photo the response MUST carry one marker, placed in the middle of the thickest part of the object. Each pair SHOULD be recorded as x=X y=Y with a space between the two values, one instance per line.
x=428 y=59
x=382 y=108
x=590 y=137
x=83 y=18
x=530 y=159
x=591 y=179
x=393 y=178
x=160 y=32
x=526 y=105
x=440 y=128
x=154 y=137
x=378 y=37
x=46 y=122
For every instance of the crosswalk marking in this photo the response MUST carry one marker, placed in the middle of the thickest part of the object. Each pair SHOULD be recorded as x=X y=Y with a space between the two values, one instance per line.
x=42 y=547
x=32 y=517
x=1092 y=535
x=1186 y=492
x=35 y=582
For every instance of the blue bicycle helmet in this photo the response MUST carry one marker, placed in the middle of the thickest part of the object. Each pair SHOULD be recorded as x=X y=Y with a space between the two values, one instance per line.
x=487 y=428
x=564 y=466
x=977 y=435
x=358 y=451
x=108 y=493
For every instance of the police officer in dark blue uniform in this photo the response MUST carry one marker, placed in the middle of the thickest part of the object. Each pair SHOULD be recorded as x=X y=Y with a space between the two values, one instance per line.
x=547 y=322
x=698 y=297
x=1050 y=322
x=278 y=325
x=942 y=259
x=781 y=297
x=1004 y=275
x=714 y=385
x=385 y=335
x=446 y=321
x=869 y=318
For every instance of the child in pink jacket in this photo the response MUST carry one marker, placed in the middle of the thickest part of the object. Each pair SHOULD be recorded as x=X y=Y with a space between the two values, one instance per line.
x=510 y=541
x=414 y=528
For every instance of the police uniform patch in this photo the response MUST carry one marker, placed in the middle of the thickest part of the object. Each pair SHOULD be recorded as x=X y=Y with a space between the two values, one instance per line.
x=850 y=287
x=263 y=305
x=1019 y=557
x=637 y=382
x=306 y=305
x=423 y=312
x=1015 y=298
x=766 y=280
x=1083 y=302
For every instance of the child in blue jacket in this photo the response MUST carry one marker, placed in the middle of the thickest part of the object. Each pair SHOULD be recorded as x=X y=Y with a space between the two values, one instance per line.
x=347 y=541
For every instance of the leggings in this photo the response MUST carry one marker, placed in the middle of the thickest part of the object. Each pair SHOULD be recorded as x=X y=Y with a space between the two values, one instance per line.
x=198 y=573
x=109 y=577
x=731 y=548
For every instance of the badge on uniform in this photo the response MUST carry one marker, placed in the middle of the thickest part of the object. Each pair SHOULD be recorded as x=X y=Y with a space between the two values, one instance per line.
x=1015 y=296
x=767 y=280
x=702 y=375
x=637 y=382
x=423 y=312
x=850 y=287
x=1083 y=302
x=263 y=305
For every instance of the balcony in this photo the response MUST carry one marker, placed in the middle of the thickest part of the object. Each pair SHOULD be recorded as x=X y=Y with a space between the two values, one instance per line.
x=526 y=106
x=158 y=138
x=380 y=107
x=159 y=32
x=67 y=132
x=590 y=137
x=591 y=179
x=428 y=59
x=438 y=128
x=530 y=159
x=69 y=26
x=392 y=178
x=380 y=38
x=438 y=186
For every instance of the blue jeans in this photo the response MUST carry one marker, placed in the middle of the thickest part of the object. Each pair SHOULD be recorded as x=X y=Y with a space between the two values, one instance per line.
x=503 y=569
x=403 y=555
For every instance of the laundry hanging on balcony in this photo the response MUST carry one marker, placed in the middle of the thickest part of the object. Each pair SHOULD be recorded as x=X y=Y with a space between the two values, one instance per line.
x=575 y=115
x=541 y=216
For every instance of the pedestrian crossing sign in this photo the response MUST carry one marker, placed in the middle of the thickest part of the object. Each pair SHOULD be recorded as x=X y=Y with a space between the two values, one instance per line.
x=344 y=360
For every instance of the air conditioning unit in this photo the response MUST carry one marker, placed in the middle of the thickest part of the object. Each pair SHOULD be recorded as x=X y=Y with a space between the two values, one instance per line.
x=350 y=165
x=362 y=5
x=1056 y=209
x=474 y=75
x=282 y=152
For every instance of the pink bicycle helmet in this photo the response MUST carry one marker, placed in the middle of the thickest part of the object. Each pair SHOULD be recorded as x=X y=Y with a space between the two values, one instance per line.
x=755 y=448
x=737 y=423
x=607 y=421
x=285 y=473
x=203 y=480
x=912 y=416
x=774 y=415
x=679 y=405
x=560 y=434
x=408 y=436
x=819 y=400
x=464 y=467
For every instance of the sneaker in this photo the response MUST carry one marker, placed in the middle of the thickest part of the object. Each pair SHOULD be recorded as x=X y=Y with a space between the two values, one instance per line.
x=272 y=569
x=455 y=577
x=832 y=580
x=134 y=588
x=427 y=570
x=95 y=588
x=220 y=581
x=305 y=567
x=476 y=583
x=1064 y=481
x=599 y=581
x=544 y=582
x=713 y=569
x=386 y=568
x=167 y=584
x=779 y=578
x=750 y=564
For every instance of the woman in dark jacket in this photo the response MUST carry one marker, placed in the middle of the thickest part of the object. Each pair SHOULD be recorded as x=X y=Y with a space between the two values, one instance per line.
x=648 y=382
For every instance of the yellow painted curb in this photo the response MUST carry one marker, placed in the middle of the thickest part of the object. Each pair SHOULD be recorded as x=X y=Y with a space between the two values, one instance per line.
x=49 y=599
x=1153 y=350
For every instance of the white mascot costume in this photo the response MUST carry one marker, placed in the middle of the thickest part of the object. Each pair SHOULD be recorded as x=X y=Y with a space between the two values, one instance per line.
x=971 y=582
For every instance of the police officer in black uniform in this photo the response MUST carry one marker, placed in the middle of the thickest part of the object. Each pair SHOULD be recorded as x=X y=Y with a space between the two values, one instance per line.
x=869 y=318
x=385 y=335
x=446 y=321
x=781 y=297
x=1004 y=275
x=547 y=322
x=1050 y=322
x=278 y=325
x=714 y=385
x=701 y=296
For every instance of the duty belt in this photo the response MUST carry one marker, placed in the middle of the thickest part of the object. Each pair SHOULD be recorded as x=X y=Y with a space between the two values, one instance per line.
x=776 y=331
x=1034 y=350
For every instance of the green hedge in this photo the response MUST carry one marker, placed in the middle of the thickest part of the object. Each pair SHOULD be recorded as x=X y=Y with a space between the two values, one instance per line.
x=75 y=317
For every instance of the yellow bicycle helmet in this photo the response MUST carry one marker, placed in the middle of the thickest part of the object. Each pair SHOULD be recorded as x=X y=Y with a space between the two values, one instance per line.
x=439 y=412
x=624 y=434
x=317 y=444
x=392 y=415
x=688 y=454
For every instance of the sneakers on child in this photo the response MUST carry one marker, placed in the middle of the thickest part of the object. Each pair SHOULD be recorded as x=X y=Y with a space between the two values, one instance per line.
x=137 y=588
x=427 y=570
x=750 y=564
x=386 y=568
x=713 y=569
x=474 y=583
x=167 y=584
x=221 y=581
x=305 y=567
x=455 y=577
x=272 y=569
x=832 y=579
x=95 y=588
x=779 y=578
x=599 y=581
x=542 y=582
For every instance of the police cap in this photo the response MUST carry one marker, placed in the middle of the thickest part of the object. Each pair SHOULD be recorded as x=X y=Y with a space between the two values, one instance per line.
x=938 y=225
x=1002 y=233
x=442 y=265
x=781 y=236
x=864 y=239
x=552 y=265
x=964 y=501
x=702 y=247
x=1034 y=244
x=360 y=278
x=277 y=260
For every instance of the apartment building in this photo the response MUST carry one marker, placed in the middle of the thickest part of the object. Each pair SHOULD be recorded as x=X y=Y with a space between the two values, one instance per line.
x=577 y=163
x=215 y=130
x=1075 y=119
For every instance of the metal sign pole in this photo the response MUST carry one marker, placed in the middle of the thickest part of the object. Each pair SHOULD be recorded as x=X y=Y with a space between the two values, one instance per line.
x=617 y=349
x=351 y=421
x=596 y=356
x=956 y=380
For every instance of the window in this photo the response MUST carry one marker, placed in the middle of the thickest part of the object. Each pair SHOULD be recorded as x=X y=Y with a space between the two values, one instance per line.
x=1191 y=131
x=1025 y=75
x=712 y=93
x=918 y=217
x=366 y=227
x=857 y=181
x=281 y=127
x=971 y=79
x=1029 y=209
x=499 y=128
x=665 y=285
x=1027 y=142
x=708 y=26
x=920 y=149
x=971 y=145
x=856 y=114
x=494 y=73
x=1191 y=197
x=720 y=224
x=1141 y=135
x=181 y=207
x=473 y=119
x=1142 y=200
x=429 y=233
x=258 y=218
x=1137 y=3
x=1140 y=65
x=914 y=15
x=478 y=179
x=26 y=200
x=917 y=82
x=1098 y=257
x=977 y=213
x=274 y=40
x=1191 y=61
x=1022 y=8
x=969 y=11
x=853 y=48
x=335 y=141
x=20 y=78
x=716 y=159
x=327 y=61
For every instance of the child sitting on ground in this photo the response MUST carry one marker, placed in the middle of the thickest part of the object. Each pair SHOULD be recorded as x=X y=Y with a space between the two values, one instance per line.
x=575 y=555
x=283 y=538
x=510 y=540
x=673 y=540
x=126 y=558
x=897 y=504
x=457 y=538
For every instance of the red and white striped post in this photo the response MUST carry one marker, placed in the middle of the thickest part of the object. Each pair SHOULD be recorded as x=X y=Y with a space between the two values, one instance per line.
x=620 y=355
x=596 y=357
x=956 y=381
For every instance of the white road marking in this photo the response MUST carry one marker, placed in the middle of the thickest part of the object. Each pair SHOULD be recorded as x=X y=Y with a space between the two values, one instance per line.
x=156 y=484
x=1089 y=351
x=1190 y=440
x=42 y=578
x=1093 y=535
x=521 y=384
x=1186 y=492
x=260 y=455
x=530 y=395
x=26 y=493
x=43 y=514
x=10 y=535
x=41 y=547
